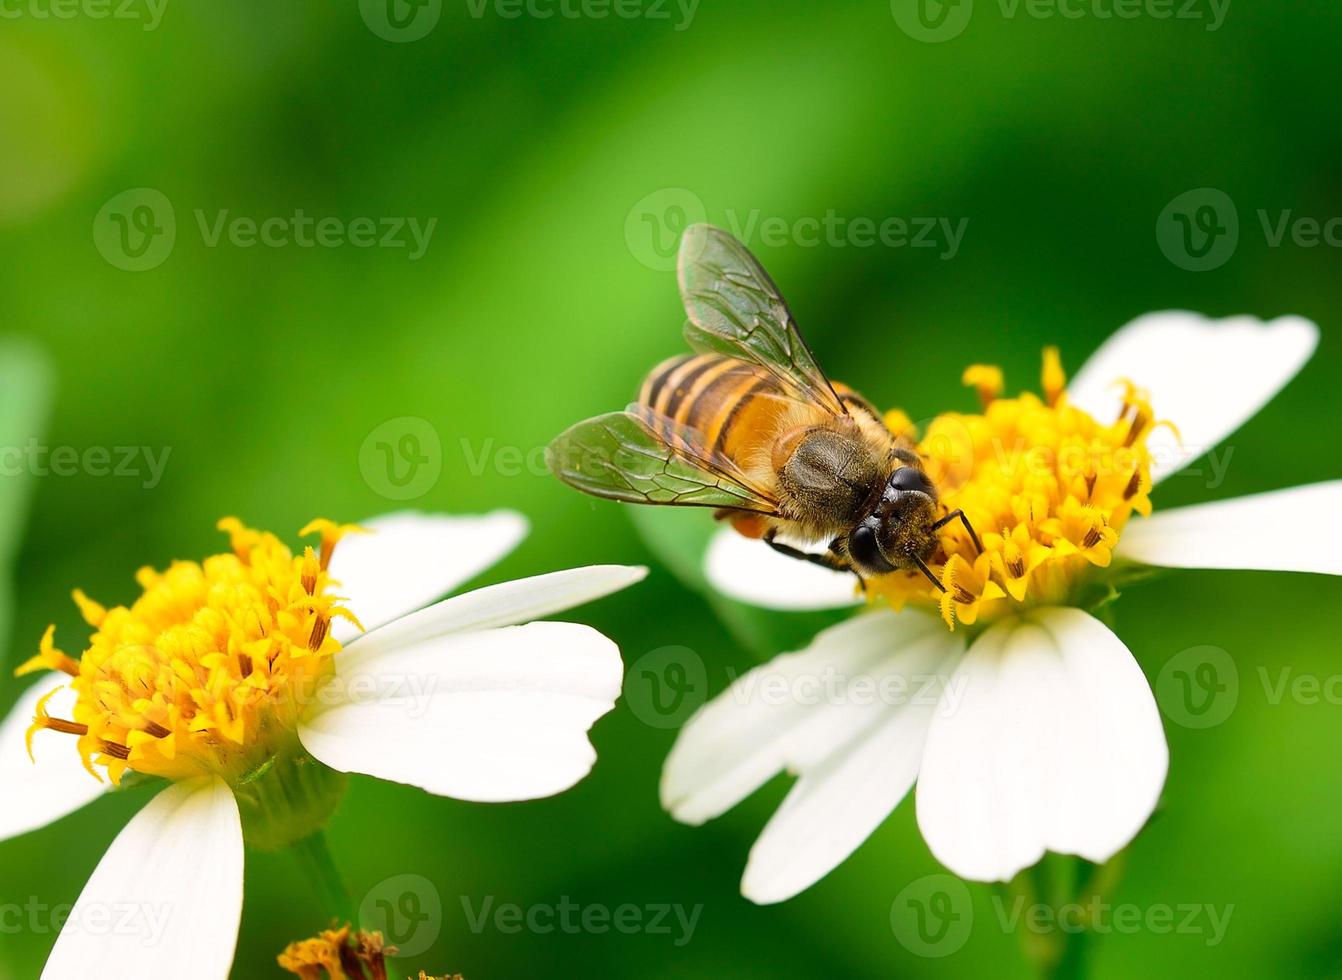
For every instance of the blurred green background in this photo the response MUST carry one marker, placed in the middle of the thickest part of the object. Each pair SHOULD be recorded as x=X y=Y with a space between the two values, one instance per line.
x=559 y=157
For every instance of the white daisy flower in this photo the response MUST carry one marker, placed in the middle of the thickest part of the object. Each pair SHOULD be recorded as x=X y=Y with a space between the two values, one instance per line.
x=228 y=677
x=1031 y=728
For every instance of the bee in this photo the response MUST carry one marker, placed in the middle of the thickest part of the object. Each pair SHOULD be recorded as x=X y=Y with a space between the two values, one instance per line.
x=751 y=426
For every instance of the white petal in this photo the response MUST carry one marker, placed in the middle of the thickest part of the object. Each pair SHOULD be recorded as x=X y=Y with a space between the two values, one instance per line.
x=505 y=604
x=1295 y=530
x=488 y=715
x=166 y=899
x=749 y=570
x=409 y=559
x=1206 y=376
x=861 y=762
x=782 y=715
x=1056 y=745
x=40 y=793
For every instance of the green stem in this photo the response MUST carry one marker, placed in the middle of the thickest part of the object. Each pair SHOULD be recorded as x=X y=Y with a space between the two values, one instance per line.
x=1071 y=954
x=314 y=857
x=1072 y=963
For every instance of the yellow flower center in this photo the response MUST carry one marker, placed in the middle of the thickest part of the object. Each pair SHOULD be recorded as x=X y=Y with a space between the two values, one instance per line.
x=1048 y=488
x=208 y=670
x=343 y=954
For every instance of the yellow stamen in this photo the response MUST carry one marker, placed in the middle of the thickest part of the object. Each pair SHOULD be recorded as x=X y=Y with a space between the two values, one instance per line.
x=342 y=954
x=309 y=958
x=1054 y=379
x=331 y=533
x=48 y=658
x=901 y=425
x=311 y=569
x=93 y=612
x=207 y=671
x=968 y=589
x=986 y=379
x=1048 y=487
x=42 y=721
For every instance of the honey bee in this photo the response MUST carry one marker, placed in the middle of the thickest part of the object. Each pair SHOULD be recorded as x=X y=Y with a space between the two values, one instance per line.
x=751 y=426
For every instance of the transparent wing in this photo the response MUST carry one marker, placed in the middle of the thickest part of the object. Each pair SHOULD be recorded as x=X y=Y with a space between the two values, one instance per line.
x=641 y=457
x=735 y=309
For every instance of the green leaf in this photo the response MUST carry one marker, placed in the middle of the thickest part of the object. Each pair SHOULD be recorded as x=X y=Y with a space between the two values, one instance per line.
x=25 y=394
x=679 y=539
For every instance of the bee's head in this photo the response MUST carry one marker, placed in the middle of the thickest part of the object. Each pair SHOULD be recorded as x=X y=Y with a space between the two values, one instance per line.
x=899 y=528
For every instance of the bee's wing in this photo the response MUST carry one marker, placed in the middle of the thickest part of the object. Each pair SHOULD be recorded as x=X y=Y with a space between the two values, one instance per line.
x=735 y=309
x=641 y=457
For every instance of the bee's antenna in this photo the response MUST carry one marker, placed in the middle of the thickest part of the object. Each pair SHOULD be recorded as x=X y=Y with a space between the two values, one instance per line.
x=928 y=572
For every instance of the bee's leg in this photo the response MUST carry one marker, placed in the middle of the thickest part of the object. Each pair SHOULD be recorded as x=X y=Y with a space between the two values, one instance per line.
x=836 y=550
x=953 y=515
x=827 y=560
x=922 y=567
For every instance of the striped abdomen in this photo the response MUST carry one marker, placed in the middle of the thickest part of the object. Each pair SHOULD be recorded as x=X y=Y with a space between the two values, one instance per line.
x=729 y=403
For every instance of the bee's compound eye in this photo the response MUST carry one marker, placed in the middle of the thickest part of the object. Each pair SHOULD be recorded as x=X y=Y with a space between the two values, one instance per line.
x=862 y=547
x=911 y=478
